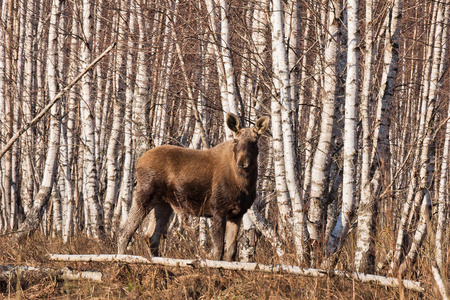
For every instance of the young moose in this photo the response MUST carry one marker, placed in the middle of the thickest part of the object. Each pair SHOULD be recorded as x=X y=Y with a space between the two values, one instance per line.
x=219 y=182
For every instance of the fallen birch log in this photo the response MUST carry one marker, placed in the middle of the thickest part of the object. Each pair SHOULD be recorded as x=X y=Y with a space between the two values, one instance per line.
x=8 y=272
x=238 y=266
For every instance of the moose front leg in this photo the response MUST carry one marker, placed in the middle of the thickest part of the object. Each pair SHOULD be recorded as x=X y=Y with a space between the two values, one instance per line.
x=232 y=229
x=218 y=234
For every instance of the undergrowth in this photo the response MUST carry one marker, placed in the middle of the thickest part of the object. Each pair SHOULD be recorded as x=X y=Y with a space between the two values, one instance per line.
x=153 y=282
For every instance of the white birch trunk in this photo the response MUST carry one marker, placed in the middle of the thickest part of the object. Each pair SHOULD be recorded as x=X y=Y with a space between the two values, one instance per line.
x=283 y=107
x=311 y=130
x=266 y=229
x=365 y=244
x=6 y=120
x=442 y=287
x=161 y=119
x=419 y=235
x=112 y=169
x=140 y=105
x=429 y=94
x=443 y=198
x=216 y=39
x=68 y=135
x=127 y=175
x=35 y=214
x=439 y=64
x=227 y=60
x=319 y=172
x=351 y=99
x=292 y=30
x=90 y=188
x=99 y=93
x=113 y=181
x=27 y=190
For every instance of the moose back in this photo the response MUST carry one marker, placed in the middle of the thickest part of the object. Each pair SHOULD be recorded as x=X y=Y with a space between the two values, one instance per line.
x=219 y=182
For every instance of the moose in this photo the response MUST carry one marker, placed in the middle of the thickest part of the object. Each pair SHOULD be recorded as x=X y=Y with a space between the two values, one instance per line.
x=219 y=182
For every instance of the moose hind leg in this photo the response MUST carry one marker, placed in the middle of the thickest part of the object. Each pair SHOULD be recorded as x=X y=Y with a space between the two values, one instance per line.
x=232 y=229
x=129 y=226
x=159 y=217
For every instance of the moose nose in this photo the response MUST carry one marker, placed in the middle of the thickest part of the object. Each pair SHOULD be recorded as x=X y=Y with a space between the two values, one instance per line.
x=243 y=166
x=243 y=163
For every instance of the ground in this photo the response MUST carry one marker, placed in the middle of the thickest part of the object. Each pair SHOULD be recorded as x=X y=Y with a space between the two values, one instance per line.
x=152 y=282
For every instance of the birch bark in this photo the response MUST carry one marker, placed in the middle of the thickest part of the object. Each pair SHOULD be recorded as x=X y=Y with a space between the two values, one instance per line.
x=127 y=177
x=111 y=202
x=351 y=100
x=90 y=188
x=419 y=235
x=6 y=107
x=28 y=100
x=34 y=216
x=68 y=132
x=442 y=192
x=434 y=84
x=140 y=107
x=161 y=119
x=59 y=190
x=365 y=247
x=218 y=34
x=281 y=92
x=226 y=57
x=321 y=160
x=283 y=127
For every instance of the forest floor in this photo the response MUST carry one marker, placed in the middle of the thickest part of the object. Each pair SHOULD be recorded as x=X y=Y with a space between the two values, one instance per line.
x=156 y=282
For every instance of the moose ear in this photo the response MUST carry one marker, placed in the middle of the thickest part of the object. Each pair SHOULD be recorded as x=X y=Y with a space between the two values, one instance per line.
x=233 y=122
x=261 y=125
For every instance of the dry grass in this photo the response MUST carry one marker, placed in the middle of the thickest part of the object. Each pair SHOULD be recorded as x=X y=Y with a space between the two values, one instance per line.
x=151 y=282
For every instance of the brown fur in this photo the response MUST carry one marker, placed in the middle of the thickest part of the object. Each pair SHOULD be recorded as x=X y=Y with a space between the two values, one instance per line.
x=219 y=182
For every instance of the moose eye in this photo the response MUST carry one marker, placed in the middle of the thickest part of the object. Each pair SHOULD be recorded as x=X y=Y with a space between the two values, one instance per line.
x=235 y=141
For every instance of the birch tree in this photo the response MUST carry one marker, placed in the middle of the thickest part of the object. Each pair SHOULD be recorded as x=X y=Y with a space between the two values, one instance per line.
x=111 y=203
x=5 y=108
x=365 y=249
x=127 y=181
x=282 y=127
x=443 y=198
x=68 y=132
x=27 y=142
x=90 y=175
x=351 y=99
x=41 y=199
x=317 y=197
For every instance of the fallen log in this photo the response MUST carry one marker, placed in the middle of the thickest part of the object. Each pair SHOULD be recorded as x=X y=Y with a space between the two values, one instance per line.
x=239 y=266
x=8 y=272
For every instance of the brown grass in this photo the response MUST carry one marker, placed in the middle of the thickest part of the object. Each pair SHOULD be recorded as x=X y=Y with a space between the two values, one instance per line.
x=152 y=282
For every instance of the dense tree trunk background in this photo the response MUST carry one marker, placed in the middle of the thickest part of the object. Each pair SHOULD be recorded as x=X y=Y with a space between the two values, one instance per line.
x=356 y=159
